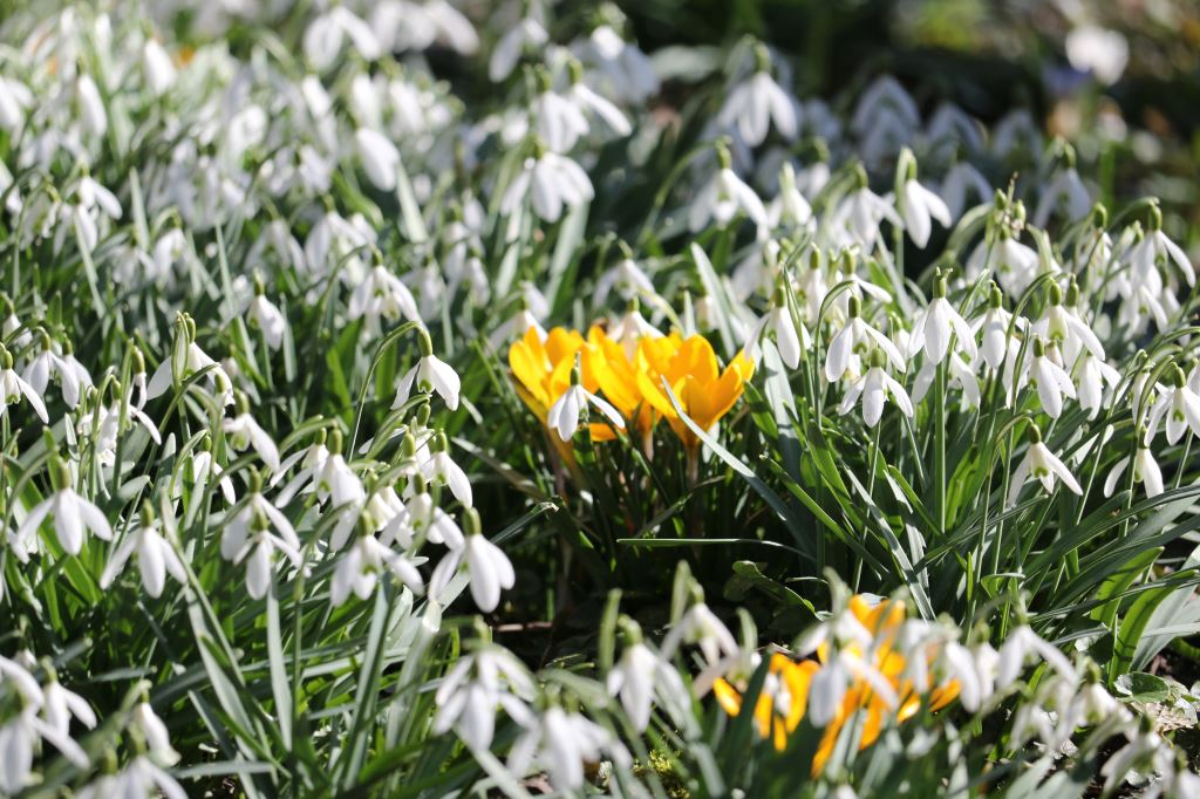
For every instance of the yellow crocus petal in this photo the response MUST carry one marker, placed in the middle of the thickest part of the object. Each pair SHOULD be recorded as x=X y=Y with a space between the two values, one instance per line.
x=529 y=366
x=743 y=365
x=652 y=393
x=944 y=695
x=697 y=359
x=727 y=696
x=562 y=344
x=708 y=403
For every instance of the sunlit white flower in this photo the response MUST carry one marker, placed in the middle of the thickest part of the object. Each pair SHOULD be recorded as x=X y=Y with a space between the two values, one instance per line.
x=61 y=705
x=562 y=742
x=73 y=515
x=1145 y=470
x=1154 y=247
x=1179 y=405
x=789 y=340
x=1092 y=375
x=155 y=555
x=475 y=686
x=140 y=778
x=13 y=388
x=1064 y=189
x=157 y=67
x=1021 y=644
x=429 y=374
x=243 y=432
x=380 y=158
x=722 y=197
x=488 y=567
x=358 y=569
x=876 y=387
x=528 y=33
x=328 y=31
x=934 y=327
x=700 y=626
x=855 y=339
x=563 y=417
x=1102 y=52
x=1043 y=465
x=918 y=206
x=640 y=677
x=960 y=182
x=440 y=469
x=266 y=316
x=858 y=218
x=622 y=64
x=757 y=101
x=19 y=736
x=154 y=732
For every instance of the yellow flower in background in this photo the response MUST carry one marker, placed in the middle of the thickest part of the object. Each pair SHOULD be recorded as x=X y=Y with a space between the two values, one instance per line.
x=616 y=375
x=543 y=372
x=780 y=705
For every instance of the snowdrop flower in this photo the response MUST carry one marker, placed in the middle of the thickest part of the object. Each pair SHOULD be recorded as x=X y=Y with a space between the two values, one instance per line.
x=15 y=98
x=440 y=469
x=723 y=196
x=1179 y=404
x=429 y=375
x=157 y=68
x=156 y=557
x=1065 y=189
x=756 y=102
x=875 y=387
x=589 y=102
x=70 y=374
x=1144 y=256
x=553 y=181
x=382 y=295
x=154 y=733
x=917 y=204
x=563 y=416
x=416 y=26
x=488 y=567
x=205 y=468
x=1145 y=469
x=73 y=515
x=359 y=567
x=884 y=93
x=1043 y=465
x=326 y=33
x=1061 y=324
x=18 y=738
x=700 y=626
x=629 y=71
x=631 y=328
x=960 y=373
x=1091 y=376
x=60 y=705
x=961 y=181
x=266 y=316
x=789 y=209
x=936 y=324
x=469 y=694
x=1049 y=379
x=91 y=106
x=861 y=213
x=186 y=359
x=1102 y=52
x=561 y=742
x=790 y=340
x=249 y=533
x=379 y=156
x=559 y=121
x=243 y=432
x=994 y=325
x=641 y=676
x=140 y=778
x=1022 y=643
x=13 y=388
x=424 y=517
x=526 y=34
x=854 y=340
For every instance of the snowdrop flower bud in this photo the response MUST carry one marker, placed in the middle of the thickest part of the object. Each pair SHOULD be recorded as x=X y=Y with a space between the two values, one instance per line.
x=429 y=375
x=265 y=316
x=1042 y=465
x=917 y=204
x=13 y=388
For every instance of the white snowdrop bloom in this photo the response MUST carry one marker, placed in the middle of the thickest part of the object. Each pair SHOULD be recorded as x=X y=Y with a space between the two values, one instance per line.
x=859 y=216
x=595 y=105
x=1043 y=465
x=15 y=99
x=73 y=515
x=488 y=568
x=358 y=569
x=92 y=112
x=553 y=181
x=248 y=537
x=950 y=127
x=328 y=31
x=1154 y=247
x=335 y=239
x=723 y=197
x=1064 y=190
x=994 y=326
x=382 y=295
x=628 y=70
x=19 y=736
x=154 y=732
x=700 y=626
x=205 y=468
x=424 y=517
x=1021 y=644
x=140 y=778
x=1091 y=376
x=515 y=327
x=266 y=316
x=16 y=674
x=156 y=557
x=1179 y=404
x=1145 y=470
x=1014 y=265
x=157 y=67
x=563 y=417
x=474 y=687
x=561 y=743
x=641 y=677
x=559 y=121
x=403 y=25
x=186 y=359
x=789 y=209
x=1145 y=746
x=919 y=206
x=752 y=105
x=379 y=156
x=440 y=469
x=242 y=432
x=959 y=372
x=790 y=340
x=936 y=324
x=854 y=340
x=13 y=388
x=60 y=705
x=528 y=33
x=47 y=364
x=429 y=374
x=627 y=278
x=875 y=387
x=961 y=181
x=884 y=93
x=1102 y=52
x=1049 y=379
x=1061 y=324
